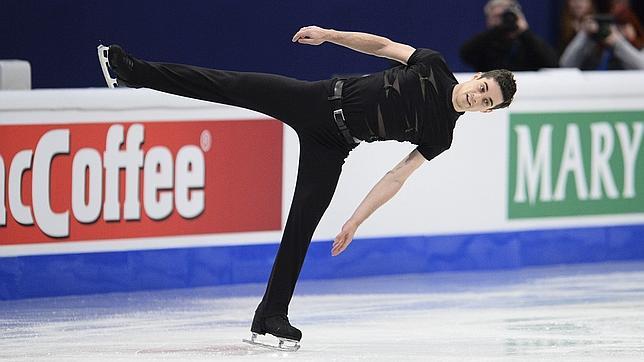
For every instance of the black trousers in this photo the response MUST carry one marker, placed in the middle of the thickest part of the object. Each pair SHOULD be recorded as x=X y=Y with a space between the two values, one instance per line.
x=303 y=106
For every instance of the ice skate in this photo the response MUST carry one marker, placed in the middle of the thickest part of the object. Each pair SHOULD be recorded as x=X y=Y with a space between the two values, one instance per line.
x=288 y=337
x=114 y=60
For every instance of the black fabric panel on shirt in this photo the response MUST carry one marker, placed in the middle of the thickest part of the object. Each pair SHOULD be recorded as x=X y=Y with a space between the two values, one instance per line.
x=405 y=103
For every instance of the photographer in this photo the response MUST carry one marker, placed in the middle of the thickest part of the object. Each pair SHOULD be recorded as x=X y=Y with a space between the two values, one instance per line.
x=607 y=42
x=508 y=43
x=573 y=14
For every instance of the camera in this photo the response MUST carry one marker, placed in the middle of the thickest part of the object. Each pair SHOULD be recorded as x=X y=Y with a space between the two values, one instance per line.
x=604 y=21
x=509 y=21
x=510 y=18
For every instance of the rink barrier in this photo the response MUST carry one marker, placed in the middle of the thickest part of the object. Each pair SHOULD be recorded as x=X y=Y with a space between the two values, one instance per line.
x=88 y=273
x=555 y=179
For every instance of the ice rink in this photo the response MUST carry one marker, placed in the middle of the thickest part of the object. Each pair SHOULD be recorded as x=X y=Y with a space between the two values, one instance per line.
x=567 y=313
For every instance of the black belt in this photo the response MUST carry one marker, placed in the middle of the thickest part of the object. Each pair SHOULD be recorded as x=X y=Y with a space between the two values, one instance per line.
x=338 y=114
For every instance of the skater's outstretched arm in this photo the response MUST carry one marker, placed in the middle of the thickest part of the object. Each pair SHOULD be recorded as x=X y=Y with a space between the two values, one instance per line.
x=362 y=42
x=382 y=192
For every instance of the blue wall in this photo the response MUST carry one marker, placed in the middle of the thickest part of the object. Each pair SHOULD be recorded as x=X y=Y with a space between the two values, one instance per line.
x=59 y=37
x=55 y=275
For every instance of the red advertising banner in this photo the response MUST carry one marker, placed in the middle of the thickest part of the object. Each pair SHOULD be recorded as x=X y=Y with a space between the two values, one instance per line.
x=97 y=181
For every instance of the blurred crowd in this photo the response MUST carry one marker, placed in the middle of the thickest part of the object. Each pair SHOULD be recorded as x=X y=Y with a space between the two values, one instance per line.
x=594 y=35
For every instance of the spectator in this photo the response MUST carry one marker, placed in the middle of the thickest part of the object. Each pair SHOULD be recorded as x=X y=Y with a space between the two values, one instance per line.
x=607 y=43
x=508 y=42
x=572 y=16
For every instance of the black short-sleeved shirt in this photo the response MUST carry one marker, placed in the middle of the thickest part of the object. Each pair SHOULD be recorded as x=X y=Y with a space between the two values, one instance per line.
x=405 y=103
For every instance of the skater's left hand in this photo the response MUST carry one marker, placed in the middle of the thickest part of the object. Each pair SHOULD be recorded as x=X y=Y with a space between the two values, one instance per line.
x=344 y=238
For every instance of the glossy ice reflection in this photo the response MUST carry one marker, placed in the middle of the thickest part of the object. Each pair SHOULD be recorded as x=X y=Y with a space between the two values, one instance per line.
x=580 y=313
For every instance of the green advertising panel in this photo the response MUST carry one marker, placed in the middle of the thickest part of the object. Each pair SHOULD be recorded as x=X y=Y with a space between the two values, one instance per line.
x=568 y=164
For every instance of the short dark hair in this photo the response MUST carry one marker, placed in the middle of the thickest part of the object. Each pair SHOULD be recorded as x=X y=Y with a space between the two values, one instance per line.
x=506 y=81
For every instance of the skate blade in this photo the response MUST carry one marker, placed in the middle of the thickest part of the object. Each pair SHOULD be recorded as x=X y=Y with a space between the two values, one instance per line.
x=102 y=58
x=283 y=344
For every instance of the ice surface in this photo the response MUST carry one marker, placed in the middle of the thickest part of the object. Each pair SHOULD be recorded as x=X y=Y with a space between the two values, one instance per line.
x=572 y=313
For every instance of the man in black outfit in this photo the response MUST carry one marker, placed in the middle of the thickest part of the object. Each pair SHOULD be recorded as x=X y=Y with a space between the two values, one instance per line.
x=418 y=102
x=508 y=42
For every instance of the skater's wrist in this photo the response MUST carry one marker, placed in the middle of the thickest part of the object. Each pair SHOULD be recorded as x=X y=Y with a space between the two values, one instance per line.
x=331 y=35
x=352 y=223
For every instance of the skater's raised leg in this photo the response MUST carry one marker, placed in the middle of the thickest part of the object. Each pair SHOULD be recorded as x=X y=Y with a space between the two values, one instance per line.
x=289 y=100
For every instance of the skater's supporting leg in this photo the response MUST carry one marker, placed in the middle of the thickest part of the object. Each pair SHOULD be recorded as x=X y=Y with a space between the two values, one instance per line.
x=318 y=174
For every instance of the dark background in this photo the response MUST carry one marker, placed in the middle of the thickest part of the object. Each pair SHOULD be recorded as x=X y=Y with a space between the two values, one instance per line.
x=59 y=37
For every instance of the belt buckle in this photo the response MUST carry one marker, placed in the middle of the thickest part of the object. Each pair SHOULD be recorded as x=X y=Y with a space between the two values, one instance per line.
x=338 y=115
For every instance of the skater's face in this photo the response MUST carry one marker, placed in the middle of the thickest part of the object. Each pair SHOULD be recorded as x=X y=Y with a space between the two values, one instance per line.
x=477 y=95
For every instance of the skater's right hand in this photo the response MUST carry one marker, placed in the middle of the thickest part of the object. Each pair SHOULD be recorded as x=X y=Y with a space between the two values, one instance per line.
x=311 y=35
x=344 y=238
